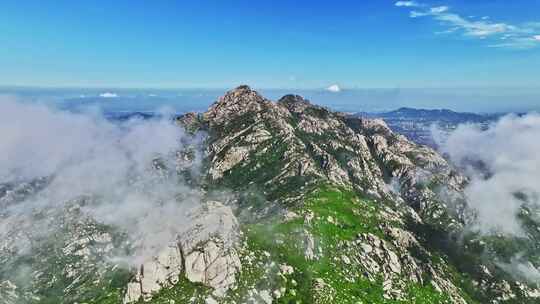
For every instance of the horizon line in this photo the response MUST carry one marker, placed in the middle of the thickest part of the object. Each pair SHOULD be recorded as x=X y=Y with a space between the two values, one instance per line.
x=325 y=89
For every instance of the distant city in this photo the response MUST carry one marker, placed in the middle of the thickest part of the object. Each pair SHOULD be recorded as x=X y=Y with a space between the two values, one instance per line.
x=418 y=124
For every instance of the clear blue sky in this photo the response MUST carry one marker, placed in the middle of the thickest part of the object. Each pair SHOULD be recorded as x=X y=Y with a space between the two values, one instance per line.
x=272 y=44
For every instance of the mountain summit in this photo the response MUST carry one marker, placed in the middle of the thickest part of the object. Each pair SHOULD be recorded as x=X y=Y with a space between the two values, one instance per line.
x=299 y=204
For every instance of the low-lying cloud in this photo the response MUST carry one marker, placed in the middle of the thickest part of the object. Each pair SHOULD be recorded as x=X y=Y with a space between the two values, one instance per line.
x=128 y=168
x=503 y=162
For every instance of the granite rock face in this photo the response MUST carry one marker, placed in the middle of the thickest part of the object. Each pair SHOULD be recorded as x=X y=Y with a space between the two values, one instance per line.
x=203 y=253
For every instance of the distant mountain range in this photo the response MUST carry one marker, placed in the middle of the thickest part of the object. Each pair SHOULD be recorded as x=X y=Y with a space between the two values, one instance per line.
x=124 y=116
x=443 y=115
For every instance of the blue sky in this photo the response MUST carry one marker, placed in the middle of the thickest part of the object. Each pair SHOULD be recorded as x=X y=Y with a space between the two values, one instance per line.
x=271 y=44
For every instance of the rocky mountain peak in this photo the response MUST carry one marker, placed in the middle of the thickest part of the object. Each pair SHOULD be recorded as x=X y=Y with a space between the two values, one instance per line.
x=240 y=94
x=242 y=88
x=294 y=103
x=235 y=103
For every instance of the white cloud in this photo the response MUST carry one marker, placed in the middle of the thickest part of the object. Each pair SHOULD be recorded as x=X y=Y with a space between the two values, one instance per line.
x=108 y=95
x=87 y=155
x=516 y=42
x=470 y=28
x=509 y=155
x=521 y=270
x=407 y=4
x=439 y=9
x=334 y=88
x=416 y=14
x=536 y=37
x=474 y=28
x=503 y=164
x=517 y=36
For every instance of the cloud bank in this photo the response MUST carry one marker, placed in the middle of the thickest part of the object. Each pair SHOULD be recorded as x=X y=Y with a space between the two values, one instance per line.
x=504 y=164
x=127 y=170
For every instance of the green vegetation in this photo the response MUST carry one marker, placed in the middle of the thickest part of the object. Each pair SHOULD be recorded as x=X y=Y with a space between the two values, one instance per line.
x=338 y=215
x=68 y=277
x=182 y=292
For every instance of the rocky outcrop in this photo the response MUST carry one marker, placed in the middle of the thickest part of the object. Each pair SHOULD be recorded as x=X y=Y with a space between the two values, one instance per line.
x=161 y=271
x=209 y=248
x=203 y=253
x=394 y=262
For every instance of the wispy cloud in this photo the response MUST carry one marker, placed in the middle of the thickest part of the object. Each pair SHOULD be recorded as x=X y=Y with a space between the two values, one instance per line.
x=504 y=35
x=108 y=95
x=407 y=3
x=438 y=9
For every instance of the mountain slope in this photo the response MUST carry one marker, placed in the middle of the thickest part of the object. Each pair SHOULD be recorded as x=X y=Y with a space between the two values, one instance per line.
x=299 y=205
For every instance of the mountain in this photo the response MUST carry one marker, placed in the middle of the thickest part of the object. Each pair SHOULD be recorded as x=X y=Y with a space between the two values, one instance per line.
x=416 y=124
x=299 y=204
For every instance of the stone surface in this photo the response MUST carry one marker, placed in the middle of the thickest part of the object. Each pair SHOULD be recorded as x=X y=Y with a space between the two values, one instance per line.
x=204 y=252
